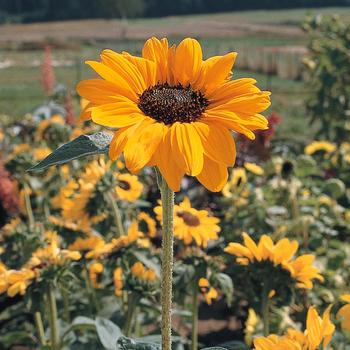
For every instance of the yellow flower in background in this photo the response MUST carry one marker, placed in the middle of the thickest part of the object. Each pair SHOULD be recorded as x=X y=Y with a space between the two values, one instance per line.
x=95 y=270
x=129 y=188
x=254 y=168
x=191 y=224
x=282 y=253
x=103 y=250
x=316 y=146
x=44 y=124
x=82 y=226
x=149 y=225
x=344 y=313
x=118 y=281
x=209 y=292
x=17 y=150
x=15 y=281
x=40 y=153
x=142 y=273
x=86 y=244
x=325 y=200
x=318 y=331
x=77 y=197
x=238 y=180
x=51 y=253
x=174 y=110
x=250 y=326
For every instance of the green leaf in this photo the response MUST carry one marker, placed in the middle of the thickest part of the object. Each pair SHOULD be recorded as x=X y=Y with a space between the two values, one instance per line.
x=335 y=188
x=226 y=285
x=108 y=333
x=125 y=343
x=84 y=145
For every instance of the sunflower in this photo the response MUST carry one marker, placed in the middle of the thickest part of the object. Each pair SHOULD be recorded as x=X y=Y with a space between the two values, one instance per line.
x=95 y=270
x=208 y=292
x=254 y=168
x=139 y=271
x=318 y=330
x=280 y=254
x=316 y=146
x=174 y=110
x=147 y=224
x=44 y=124
x=118 y=281
x=76 y=203
x=191 y=224
x=344 y=313
x=128 y=187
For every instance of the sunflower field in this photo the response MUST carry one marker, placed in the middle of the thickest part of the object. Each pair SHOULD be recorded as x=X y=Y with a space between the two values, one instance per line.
x=167 y=216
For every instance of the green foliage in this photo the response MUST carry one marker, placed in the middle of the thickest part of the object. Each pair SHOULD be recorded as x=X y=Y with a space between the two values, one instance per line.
x=329 y=71
x=83 y=145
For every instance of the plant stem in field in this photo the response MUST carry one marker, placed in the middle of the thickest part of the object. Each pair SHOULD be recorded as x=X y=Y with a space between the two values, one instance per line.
x=195 y=303
x=40 y=327
x=54 y=331
x=28 y=205
x=265 y=308
x=93 y=302
x=130 y=315
x=167 y=262
x=116 y=213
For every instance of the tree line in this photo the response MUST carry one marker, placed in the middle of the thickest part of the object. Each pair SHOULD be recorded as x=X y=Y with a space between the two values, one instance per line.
x=49 y=10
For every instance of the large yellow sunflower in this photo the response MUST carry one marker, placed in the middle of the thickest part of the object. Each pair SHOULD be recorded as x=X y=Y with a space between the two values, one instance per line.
x=174 y=110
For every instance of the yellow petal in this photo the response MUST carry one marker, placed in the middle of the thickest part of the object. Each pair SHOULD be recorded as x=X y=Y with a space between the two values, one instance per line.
x=218 y=143
x=187 y=61
x=187 y=148
x=213 y=175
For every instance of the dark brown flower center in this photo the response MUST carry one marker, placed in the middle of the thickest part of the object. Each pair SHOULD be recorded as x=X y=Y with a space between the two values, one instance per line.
x=124 y=185
x=169 y=104
x=188 y=218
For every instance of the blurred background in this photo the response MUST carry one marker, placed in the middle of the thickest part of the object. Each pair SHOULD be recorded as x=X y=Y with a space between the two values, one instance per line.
x=267 y=34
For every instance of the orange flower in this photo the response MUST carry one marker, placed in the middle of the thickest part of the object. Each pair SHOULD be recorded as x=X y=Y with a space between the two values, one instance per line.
x=174 y=110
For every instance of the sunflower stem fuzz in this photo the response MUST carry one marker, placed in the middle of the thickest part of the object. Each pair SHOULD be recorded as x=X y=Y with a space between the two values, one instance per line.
x=167 y=262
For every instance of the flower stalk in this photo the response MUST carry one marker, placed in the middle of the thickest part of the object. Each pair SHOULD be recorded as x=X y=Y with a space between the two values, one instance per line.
x=167 y=261
x=40 y=328
x=195 y=302
x=132 y=301
x=265 y=309
x=28 y=206
x=116 y=214
x=53 y=319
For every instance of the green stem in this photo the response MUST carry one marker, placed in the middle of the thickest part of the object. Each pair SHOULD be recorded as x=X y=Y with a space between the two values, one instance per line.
x=40 y=328
x=54 y=332
x=116 y=213
x=28 y=206
x=167 y=262
x=130 y=314
x=93 y=303
x=195 y=316
x=65 y=298
x=265 y=309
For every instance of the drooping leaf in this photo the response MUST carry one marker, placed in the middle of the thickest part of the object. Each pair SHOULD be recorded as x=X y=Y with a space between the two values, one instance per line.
x=125 y=343
x=226 y=285
x=108 y=333
x=84 y=145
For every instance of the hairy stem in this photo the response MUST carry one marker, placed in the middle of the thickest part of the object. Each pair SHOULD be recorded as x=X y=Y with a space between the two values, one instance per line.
x=167 y=262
